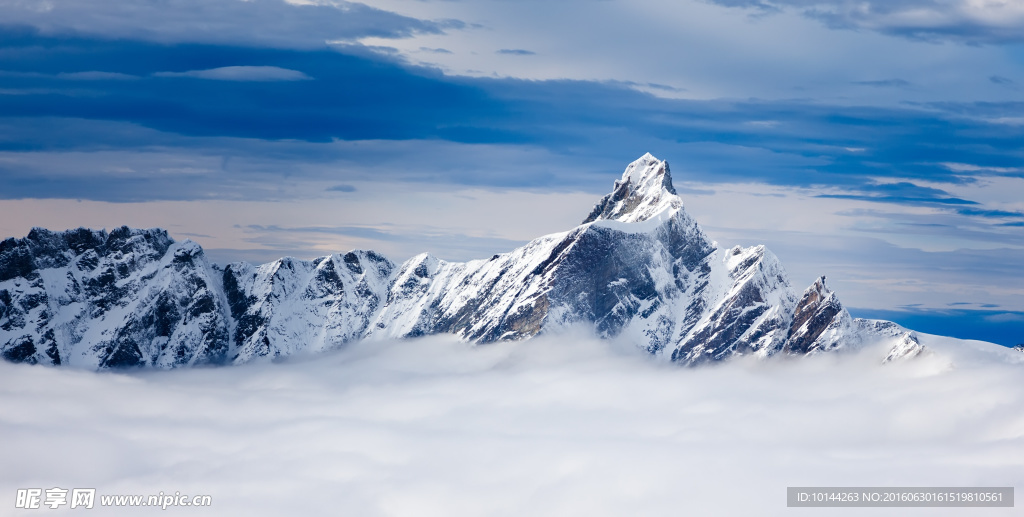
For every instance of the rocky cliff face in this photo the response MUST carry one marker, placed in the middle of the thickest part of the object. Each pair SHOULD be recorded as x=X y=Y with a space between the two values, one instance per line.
x=638 y=267
x=290 y=305
x=118 y=299
x=820 y=323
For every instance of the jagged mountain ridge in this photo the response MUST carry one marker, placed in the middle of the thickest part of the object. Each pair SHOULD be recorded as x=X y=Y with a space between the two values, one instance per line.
x=639 y=267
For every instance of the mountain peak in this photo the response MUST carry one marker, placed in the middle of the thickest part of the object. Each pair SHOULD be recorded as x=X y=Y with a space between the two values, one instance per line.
x=818 y=321
x=644 y=191
x=649 y=173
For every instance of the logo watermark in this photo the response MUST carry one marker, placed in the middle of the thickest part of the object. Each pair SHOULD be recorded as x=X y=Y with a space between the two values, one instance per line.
x=53 y=498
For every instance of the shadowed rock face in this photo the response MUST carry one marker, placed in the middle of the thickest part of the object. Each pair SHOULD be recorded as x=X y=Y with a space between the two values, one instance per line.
x=638 y=268
x=749 y=313
x=817 y=311
x=120 y=299
x=290 y=305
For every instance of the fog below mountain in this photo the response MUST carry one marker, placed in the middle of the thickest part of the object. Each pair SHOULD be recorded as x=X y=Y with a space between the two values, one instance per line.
x=558 y=425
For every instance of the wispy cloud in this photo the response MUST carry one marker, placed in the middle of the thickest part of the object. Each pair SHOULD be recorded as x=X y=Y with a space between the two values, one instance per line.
x=241 y=73
x=763 y=123
x=277 y=23
x=515 y=52
x=933 y=20
x=901 y=192
x=967 y=167
x=885 y=83
x=93 y=75
x=997 y=214
x=442 y=242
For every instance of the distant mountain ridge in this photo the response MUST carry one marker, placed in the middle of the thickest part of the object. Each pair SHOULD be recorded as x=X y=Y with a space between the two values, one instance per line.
x=639 y=267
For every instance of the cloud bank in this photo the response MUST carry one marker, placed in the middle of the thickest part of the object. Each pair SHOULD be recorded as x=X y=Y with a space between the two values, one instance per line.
x=553 y=426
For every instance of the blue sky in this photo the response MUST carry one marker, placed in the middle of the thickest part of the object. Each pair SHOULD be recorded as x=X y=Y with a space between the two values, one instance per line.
x=879 y=143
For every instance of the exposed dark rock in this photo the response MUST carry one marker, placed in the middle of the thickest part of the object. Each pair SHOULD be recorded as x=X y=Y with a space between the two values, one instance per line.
x=21 y=350
x=352 y=261
x=816 y=311
x=15 y=259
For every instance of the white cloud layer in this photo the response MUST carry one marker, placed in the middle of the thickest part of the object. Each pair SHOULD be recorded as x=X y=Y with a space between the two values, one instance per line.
x=562 y=425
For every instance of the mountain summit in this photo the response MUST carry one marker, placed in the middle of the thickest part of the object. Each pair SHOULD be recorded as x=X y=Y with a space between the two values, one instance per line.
x=644 y=191
x=638 y=268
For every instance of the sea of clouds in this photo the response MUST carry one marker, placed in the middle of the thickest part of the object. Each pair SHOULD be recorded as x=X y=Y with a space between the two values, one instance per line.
x=559 y=425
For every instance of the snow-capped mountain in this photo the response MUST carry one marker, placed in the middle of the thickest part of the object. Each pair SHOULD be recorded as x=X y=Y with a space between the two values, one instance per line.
x=638 y=268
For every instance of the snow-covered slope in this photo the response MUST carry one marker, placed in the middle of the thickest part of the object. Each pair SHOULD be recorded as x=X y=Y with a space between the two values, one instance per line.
x=290 y=305
x=98 y=299
x=639 y=268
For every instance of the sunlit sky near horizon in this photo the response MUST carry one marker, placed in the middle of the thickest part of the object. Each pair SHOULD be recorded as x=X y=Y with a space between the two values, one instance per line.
x=878 y=143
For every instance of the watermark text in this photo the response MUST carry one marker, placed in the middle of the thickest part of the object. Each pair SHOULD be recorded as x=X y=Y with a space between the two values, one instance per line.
x=53 y=498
